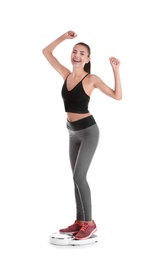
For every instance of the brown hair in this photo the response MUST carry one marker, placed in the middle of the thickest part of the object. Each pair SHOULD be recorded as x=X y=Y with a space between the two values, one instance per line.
x=87 y=66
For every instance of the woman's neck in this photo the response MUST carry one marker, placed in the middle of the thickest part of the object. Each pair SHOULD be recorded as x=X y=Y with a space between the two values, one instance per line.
x=78 y=73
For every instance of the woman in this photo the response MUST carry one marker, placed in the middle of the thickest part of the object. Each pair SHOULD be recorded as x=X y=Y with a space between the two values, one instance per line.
x=83 y=130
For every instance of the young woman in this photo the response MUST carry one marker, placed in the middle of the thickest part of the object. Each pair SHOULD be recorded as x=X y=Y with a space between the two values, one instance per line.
x=82 y=127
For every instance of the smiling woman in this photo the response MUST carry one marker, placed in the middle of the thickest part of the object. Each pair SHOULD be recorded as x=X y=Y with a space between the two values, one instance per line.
x=86 y=51
x=83 y=130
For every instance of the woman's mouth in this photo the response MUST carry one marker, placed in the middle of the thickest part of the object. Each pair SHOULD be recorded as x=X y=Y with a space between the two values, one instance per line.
x=76 y=60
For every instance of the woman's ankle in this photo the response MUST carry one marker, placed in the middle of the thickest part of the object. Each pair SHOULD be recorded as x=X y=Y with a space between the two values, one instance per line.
x=90 y=222
x=81 y=222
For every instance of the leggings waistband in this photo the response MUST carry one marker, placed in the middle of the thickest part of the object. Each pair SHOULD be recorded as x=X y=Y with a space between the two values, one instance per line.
x=81 y=123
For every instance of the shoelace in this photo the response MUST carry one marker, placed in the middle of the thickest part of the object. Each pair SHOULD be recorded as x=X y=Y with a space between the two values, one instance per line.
x=84 y=227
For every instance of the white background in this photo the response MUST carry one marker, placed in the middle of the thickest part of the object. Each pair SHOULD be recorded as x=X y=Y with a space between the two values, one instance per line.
x=36 y=189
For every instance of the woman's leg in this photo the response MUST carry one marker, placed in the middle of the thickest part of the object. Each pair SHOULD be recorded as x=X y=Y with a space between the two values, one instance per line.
x=83 y=144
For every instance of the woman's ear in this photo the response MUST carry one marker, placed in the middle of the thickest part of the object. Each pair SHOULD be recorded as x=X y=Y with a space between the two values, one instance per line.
x=88 y=60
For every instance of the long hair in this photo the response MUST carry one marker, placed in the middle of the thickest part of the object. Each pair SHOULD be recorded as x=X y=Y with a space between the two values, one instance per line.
x=87 y=66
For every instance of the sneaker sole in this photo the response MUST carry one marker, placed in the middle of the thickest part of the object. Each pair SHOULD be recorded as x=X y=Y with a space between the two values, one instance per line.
x=87 y=236
x=71 y=233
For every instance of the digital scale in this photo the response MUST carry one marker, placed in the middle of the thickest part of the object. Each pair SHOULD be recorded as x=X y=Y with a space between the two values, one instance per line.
x=61 y=239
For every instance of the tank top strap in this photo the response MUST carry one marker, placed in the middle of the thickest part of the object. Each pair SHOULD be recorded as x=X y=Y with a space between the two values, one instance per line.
x=85 y=76
x=81 y=79
x=67 y=76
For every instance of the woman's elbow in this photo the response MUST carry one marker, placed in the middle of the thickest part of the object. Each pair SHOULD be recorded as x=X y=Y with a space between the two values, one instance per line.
x=119 y=97
x=43 y=51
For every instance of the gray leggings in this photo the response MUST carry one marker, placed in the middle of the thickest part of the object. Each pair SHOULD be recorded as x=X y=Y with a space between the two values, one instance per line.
x=82 y=146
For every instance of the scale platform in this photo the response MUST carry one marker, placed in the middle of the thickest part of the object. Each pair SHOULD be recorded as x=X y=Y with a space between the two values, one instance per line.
x=68 y=240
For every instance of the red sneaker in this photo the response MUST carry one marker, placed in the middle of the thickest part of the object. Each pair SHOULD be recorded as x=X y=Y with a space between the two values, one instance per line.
x=86 y=231
x=73 y=229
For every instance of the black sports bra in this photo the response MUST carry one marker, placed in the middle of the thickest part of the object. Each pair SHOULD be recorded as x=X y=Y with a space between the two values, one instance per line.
x=75 y=100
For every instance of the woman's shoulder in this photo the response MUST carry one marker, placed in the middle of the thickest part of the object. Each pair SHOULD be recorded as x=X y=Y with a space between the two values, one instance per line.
x=93 y=78
x=92 y=81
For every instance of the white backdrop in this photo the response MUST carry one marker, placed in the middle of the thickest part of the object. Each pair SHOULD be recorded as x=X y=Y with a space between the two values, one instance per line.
x=36 y=189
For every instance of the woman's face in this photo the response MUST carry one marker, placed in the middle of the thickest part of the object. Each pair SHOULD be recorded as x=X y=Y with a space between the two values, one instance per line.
x=79 y=56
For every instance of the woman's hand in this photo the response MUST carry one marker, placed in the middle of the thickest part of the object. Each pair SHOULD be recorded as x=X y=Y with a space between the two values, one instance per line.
x=115 y=63
x=70 y=35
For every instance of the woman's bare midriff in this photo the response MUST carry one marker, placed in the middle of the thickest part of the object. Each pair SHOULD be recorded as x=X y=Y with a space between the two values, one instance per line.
x=71 y=117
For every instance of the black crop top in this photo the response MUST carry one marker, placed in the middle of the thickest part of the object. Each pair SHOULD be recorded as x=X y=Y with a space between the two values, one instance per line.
x=75 y=100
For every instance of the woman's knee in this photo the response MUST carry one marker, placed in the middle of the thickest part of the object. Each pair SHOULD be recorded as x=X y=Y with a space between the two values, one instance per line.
x=79 y=179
